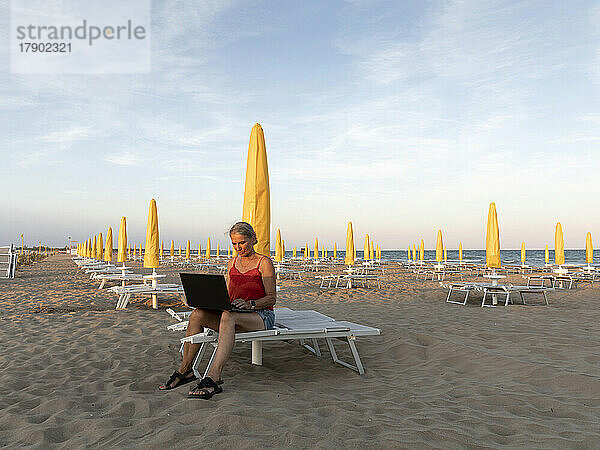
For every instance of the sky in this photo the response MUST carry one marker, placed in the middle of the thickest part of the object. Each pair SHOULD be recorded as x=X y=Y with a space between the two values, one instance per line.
x=403 y=117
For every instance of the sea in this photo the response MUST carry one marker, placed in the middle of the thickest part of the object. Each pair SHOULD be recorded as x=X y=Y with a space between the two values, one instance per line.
x=533 y=257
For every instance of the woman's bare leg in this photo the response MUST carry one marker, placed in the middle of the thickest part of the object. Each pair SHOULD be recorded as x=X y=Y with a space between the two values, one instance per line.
x=230 y=323
x=199 y=319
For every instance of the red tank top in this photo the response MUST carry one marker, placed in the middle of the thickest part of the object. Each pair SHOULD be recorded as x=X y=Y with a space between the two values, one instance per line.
x=247 y=285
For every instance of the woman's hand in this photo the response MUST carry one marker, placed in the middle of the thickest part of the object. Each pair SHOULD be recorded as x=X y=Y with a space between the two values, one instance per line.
x=241 y=303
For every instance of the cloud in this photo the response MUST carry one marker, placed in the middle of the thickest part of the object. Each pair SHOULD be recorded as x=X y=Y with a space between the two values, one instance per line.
x=124 y=159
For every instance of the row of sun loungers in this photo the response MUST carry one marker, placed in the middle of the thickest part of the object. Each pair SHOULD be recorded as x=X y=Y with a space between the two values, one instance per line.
x=491 y=292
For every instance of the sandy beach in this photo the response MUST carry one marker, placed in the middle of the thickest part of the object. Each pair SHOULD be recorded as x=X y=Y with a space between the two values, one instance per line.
x=75 y=372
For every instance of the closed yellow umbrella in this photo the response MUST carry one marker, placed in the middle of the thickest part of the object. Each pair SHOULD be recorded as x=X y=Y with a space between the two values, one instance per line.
x=408 y=254
x=294 y=252
x=316 y=251
x=559 y=245
x=439 y=247
x=366 y=249
x=100 y=248
x=199 y=251
x=180 y=254
x=547 y=255
x=445 y=255
x=188 y=250
x=122 y=244
x=492 y=239
x=414 y=252
x=460 y=251
x=257 y=198
x=134 y=251
x=422 y=250
x=207 y=255
x=355 y=258
x=152 y=248
x=350 y=255
x=372 y=252
x=306 y=251
x=218 y=251
x=109 y=246
x=335 y=250
x=94 y=248
x=162 y=249
x=278 y=247
x=283 y=247
x=172 y=252
x=589 y=249
x=151 y=259
x=523 y=253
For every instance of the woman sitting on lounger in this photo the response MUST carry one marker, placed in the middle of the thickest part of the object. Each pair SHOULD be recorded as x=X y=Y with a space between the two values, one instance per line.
x=251 y=285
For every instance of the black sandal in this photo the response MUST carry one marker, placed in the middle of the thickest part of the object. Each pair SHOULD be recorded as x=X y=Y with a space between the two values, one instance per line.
x=205 y=384
x=182 y=380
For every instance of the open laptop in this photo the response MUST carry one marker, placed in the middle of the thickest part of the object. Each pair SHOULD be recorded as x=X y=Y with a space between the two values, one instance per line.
x=207 y=292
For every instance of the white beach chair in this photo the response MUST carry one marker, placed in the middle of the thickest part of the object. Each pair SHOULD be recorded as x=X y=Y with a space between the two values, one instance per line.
x=125 y=292
x=8 y=261
x=305 y=327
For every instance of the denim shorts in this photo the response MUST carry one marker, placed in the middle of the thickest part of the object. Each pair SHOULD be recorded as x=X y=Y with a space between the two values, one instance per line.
x=268 y=317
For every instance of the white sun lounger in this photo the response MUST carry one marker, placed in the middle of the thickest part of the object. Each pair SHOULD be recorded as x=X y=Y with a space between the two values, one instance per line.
x=493 y=290
x=125 y=292
x=302 y=326
x=8 y=261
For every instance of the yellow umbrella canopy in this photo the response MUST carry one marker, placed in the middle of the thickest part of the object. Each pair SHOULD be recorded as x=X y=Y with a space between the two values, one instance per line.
x=316 y=251
x=208 y=248
x=162 y=249
x=199 y=250
x=350 y=251
x=335 y=250
x=492 y=239
x=445 y=254
x=188 y=250
x=218 y=251
x=151 y=259
x=547 y=255
x=523 y=253
x=94 y=248
x=256 y=209
x=460 y=251
x=278 y=247
x=422 y=250
x=306 y=251
x=366 y=249
x=559 y=245
x=122 y=244
x=172 y=252
x=295 y=252
x=134 y=250
x=589 y=249
x=439 y=247
x=109 y=246
x=100 y=249
x=371 y=252
x=283 y=247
